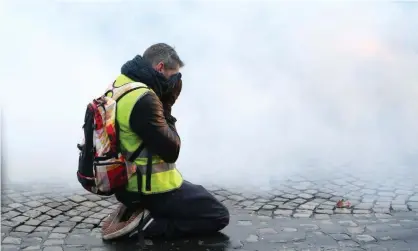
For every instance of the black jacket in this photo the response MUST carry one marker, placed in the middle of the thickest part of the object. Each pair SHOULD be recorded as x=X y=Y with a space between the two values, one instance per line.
x=153 y=125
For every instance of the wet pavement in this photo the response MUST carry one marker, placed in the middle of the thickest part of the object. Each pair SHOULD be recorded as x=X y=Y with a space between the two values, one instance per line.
x=294 y=214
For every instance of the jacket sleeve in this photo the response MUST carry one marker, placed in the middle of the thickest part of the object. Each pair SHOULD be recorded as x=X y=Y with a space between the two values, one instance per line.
x=158 y=134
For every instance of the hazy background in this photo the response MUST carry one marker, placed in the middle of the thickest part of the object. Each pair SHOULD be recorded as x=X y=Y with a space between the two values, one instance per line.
x=270 y=89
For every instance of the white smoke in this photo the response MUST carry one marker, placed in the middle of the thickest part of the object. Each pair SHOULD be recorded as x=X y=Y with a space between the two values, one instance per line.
x=270 y=89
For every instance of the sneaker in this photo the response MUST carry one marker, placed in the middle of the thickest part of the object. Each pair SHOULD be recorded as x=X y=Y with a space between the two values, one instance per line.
x=109 y=219
x=123 y=221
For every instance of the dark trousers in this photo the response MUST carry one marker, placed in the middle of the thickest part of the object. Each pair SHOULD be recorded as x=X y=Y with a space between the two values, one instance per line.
x=189 y=210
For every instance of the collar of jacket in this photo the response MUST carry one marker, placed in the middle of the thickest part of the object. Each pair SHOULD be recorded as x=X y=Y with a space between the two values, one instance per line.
x=139 y=70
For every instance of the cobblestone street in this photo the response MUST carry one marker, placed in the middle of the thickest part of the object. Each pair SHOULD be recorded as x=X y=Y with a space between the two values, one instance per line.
x=296 y=214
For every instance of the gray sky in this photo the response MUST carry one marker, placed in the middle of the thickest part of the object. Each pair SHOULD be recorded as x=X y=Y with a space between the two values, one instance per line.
x=269 y=88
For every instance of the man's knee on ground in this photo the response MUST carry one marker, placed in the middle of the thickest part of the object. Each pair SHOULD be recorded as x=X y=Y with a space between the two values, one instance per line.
x=223 y=219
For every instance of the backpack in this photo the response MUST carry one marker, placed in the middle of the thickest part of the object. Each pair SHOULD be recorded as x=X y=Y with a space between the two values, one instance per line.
x=102 y=169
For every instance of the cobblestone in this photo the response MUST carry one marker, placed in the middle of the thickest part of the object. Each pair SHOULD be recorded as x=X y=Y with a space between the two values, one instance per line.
x=12 y=240
x=25 y=228
x=300 y=214
x=20 y=219
x=365 y=238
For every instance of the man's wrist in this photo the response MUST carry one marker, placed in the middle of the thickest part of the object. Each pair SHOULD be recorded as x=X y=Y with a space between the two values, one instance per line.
x=170 y=118
x=167 y=108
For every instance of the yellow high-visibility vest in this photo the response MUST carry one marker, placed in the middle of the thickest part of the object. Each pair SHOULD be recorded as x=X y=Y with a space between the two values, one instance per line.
x=164 y=176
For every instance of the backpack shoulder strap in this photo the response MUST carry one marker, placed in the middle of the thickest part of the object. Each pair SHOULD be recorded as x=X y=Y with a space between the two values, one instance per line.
x=116 y=93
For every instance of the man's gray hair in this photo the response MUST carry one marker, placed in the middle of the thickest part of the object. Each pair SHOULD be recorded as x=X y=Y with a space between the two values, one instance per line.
x=162 y=52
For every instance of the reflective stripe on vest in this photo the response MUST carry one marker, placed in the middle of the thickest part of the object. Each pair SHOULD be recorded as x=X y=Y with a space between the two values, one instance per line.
x=164 y=176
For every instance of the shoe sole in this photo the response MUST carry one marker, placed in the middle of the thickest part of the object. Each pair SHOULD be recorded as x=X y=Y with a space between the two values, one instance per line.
x=126 y=230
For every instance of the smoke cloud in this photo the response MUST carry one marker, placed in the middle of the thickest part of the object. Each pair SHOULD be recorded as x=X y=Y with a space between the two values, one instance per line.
x=271 y=89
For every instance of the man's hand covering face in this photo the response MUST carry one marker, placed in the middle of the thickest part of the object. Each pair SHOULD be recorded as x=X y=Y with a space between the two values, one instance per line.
x=174 y=86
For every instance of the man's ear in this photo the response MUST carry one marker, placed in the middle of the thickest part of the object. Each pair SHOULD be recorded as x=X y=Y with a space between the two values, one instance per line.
x=159 y=67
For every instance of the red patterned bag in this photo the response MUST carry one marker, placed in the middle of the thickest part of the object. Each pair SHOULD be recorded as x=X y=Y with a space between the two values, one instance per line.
x=101 y=166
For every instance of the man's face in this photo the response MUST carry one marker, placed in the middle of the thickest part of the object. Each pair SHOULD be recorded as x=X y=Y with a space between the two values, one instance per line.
x=166 y=72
